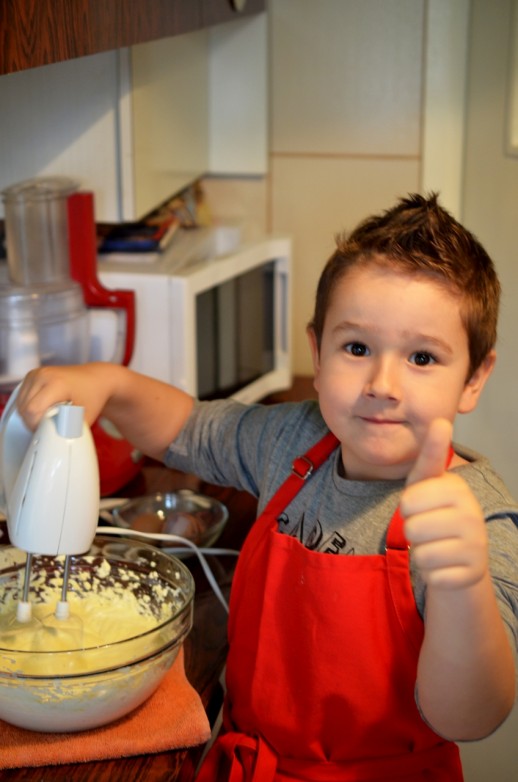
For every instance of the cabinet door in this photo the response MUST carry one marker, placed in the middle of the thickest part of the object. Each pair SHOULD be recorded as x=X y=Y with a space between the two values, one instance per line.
x=47 y=31
x=238 y=97
x=164 y=121
x=195 y=104
x=62 y=120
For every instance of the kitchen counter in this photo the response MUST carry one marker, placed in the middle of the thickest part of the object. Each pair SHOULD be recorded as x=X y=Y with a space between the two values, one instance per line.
x=205 y=647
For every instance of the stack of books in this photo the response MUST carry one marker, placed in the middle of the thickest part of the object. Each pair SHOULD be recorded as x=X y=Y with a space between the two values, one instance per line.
x=141 y=237
x=147 y=238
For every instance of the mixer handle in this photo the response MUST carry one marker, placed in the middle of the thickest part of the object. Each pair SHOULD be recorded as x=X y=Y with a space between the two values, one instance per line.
x=83 y=266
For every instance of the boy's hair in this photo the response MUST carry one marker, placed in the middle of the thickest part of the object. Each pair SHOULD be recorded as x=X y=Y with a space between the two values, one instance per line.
x=420 y=237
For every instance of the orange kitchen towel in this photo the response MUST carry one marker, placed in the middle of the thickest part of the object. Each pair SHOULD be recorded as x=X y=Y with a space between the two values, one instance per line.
x=172 y=718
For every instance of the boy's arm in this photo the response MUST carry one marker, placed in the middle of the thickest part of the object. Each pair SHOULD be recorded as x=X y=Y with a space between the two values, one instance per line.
x=146 y=411
x=466 y=677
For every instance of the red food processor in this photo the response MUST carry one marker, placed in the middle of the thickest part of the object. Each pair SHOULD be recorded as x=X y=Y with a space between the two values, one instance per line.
x=48 y=287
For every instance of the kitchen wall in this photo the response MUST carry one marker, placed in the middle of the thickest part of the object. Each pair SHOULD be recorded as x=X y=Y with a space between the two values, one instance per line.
x=490 y=210
x=366 y=103
x=345 y=125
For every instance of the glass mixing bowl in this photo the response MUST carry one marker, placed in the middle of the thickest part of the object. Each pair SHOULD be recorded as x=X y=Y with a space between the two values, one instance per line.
x=194 y=516
x=131 y=609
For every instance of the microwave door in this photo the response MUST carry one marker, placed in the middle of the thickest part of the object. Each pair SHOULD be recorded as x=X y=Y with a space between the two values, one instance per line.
x=216 y=330
x=206 y=343
x=228 y=329
x=235 y=332
x=256 y=323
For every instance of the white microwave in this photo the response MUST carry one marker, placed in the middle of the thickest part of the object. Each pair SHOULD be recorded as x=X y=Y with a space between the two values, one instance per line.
x=211 y=320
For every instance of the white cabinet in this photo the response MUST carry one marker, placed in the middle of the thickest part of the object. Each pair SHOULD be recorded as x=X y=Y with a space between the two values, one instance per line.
x=135 y=125
x=163 y=119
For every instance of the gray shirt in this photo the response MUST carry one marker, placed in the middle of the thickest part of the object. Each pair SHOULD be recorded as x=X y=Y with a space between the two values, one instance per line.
x=252 y=447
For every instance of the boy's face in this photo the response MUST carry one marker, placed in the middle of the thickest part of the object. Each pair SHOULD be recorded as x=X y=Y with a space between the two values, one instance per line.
x=393 y=357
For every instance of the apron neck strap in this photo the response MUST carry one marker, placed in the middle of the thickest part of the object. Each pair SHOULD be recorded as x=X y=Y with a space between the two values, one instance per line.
x=301 y=469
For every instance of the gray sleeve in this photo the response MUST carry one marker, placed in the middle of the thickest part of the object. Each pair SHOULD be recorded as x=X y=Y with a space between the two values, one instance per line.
x=209 y=446
x=503 y=565
x=501 y=513
x=502 y=533
x=245 y=446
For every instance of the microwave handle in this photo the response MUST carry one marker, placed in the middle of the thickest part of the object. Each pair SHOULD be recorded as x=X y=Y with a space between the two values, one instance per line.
x=83 y=267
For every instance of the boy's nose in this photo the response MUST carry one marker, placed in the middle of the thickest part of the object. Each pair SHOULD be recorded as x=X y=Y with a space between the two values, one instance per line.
x=383 y=380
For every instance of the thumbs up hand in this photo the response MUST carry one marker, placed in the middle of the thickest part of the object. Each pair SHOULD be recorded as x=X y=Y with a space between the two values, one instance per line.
x=444 y=523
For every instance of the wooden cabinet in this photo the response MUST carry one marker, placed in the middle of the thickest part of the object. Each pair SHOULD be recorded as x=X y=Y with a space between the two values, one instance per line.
x=40 y=32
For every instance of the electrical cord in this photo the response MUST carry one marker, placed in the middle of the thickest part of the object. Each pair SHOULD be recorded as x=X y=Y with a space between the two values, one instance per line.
x=200 y=552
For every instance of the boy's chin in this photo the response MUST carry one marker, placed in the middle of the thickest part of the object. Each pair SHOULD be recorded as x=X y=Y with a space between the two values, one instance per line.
x=377 y=466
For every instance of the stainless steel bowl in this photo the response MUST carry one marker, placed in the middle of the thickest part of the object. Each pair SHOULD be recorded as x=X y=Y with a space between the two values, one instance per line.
x=115 y=669
x=194 y=516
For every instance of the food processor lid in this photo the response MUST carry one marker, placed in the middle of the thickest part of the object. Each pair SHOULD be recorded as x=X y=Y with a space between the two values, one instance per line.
x=40 y=189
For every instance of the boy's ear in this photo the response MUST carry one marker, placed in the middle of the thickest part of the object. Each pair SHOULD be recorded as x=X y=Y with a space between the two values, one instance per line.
x=314 y=354
x=473 y=388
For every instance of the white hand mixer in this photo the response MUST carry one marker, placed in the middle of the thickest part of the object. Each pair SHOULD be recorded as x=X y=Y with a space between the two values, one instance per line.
x=50 y=484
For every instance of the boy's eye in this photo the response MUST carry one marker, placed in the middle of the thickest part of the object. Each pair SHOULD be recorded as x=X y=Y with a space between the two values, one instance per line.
x=422 y=359
x=357 y=349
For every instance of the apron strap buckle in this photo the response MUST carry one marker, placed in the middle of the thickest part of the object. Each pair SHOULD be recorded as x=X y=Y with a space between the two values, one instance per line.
x=302 y=467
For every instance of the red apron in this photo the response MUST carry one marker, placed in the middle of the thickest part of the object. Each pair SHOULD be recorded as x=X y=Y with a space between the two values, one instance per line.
x=322 y=662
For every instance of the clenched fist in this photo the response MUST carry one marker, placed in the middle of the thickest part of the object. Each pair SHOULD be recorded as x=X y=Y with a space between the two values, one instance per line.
x=444 y=523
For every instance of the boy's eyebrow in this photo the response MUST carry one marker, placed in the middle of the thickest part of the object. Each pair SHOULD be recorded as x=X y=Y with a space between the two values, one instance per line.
x=418 y=336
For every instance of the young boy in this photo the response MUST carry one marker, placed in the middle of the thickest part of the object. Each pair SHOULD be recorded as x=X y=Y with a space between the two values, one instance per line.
x=364 y=640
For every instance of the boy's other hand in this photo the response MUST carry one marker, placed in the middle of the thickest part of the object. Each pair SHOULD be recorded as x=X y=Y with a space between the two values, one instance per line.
x=444 y=523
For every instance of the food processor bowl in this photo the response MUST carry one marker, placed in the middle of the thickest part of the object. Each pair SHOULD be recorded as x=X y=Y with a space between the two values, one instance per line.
x=36 y=229
x=135 y=604
x=48 y=324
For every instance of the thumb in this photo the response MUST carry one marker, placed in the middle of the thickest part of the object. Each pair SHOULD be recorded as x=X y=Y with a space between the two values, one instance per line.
x=432 y=458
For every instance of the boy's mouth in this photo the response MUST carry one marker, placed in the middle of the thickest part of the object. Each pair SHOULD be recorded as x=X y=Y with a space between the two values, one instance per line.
x=381 y=421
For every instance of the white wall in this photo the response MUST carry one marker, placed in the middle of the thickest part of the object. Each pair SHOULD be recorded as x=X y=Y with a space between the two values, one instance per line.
x=375 y=112
x=490 y=210
x=444 y=90
x=345 y=125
